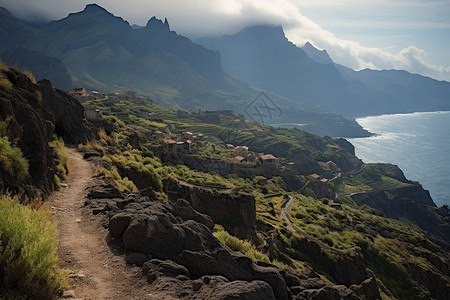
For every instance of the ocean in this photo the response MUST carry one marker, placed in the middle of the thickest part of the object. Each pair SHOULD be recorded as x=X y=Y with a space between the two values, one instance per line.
x=419 y=143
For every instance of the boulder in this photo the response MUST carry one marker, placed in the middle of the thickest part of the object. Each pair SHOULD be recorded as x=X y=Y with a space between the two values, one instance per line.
x=183 y=209
x=233 y=266
x=151 y=228
x=155 y=268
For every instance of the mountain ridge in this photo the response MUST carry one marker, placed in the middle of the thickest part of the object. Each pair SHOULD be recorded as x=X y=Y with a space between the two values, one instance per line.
x=348 y=92
x=103 y=52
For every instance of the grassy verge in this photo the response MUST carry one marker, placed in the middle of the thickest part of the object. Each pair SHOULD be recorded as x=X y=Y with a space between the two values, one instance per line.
x=28 y=252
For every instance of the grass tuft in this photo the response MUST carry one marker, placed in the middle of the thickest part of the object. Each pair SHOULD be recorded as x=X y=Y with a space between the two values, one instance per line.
x=12 y=160
x=236 y=244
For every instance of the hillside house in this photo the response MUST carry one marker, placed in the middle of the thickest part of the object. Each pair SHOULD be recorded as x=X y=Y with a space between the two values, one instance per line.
x=187 y=135
x=237 y=159
x=170 y=144
x=241 y=151
x=313 y=177
x=329 y=166
x=78 y=92
x=268 y=160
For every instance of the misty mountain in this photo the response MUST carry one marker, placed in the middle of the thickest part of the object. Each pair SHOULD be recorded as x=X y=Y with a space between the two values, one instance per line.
x=414 y=92
x=103 y=52
x=264 y=57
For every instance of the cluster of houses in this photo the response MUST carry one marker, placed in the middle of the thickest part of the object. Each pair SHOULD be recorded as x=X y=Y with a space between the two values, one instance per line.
x=320 y=183
x=181 y=143
x=241 y=154
x=82 y=95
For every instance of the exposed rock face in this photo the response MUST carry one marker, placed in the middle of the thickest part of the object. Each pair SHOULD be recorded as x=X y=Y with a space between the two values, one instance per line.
x=66 y=112
x=234 y=211
x=37 y=111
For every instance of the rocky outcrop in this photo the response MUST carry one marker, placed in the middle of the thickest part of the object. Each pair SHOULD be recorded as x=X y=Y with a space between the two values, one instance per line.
x=35 y=112
x=66 y=113
x=235 y=210
x=28 y=125
x=182 y=259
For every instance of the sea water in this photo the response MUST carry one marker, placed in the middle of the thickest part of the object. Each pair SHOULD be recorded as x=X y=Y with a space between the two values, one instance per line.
x=419 y=143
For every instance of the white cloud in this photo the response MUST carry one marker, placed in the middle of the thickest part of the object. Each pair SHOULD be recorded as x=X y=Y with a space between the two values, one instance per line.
x=201 y=17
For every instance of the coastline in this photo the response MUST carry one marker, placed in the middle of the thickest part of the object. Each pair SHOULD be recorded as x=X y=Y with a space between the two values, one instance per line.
x=414 y=142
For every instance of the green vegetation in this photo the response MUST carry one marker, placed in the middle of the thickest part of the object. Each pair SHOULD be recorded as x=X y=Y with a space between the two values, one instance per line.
x=375 y=177
x=28 y=252
x=4 y=82
x=12 y=160
x=236 y=244
x=62 y=158
x=123 y=184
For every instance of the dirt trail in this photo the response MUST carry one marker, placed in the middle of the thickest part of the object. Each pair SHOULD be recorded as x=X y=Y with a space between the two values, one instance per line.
x=97 y=270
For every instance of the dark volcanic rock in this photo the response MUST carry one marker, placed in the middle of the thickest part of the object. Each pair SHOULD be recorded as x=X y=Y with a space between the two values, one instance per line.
x=235 y=211
x=153 y=229
x=28 y=125
x=211 y=288
x=67 y=114
x=104 y=189
x=157 y=268
x=368 y=289
x=233 y=266
x=183 y=209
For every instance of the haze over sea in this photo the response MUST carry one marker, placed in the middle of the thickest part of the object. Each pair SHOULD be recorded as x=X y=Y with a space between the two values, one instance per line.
x=419 y=143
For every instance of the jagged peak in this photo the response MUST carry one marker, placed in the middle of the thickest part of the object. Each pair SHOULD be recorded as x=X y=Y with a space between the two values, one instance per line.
x=95 y=7
x=157 y=23
x=319 y=56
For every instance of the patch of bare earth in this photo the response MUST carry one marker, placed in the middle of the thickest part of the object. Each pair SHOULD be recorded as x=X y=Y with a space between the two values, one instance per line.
x=97 y=269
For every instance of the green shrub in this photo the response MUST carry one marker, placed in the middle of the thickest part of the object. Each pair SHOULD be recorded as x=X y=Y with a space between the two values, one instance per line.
x=63 y=158
x=122 y=184
x=92 y=145
x=12 y=160
x=28 y=252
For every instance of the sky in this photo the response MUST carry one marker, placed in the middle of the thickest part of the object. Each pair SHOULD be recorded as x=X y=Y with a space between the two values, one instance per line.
x=412 y=35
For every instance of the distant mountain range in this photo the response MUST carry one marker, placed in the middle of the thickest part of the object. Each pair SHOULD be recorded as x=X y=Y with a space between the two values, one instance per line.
x=264 y=57
x=99 y=51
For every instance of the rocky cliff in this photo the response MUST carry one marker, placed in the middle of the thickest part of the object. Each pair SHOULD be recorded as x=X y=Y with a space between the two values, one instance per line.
x=34 y=113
